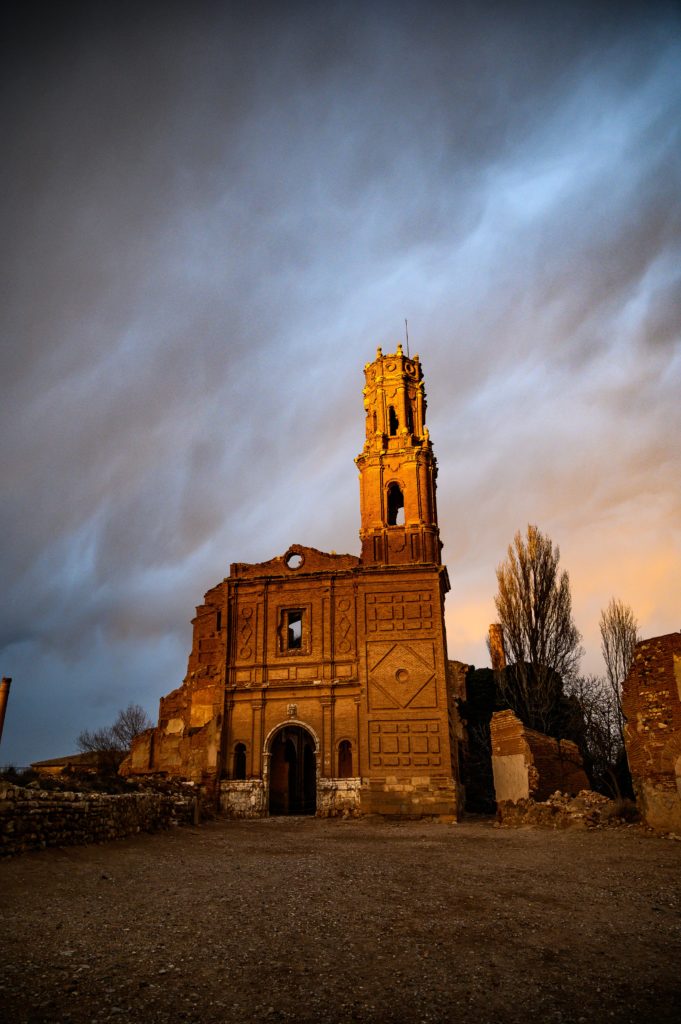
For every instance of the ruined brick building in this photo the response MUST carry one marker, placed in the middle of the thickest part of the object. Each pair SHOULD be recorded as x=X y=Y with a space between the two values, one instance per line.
x=319 y=682
x=651 y=702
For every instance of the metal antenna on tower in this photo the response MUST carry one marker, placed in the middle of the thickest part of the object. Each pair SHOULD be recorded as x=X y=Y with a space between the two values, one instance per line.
x=406 y=331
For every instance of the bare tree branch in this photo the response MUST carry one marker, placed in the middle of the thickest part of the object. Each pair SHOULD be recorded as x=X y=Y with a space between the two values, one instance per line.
x=113 y=742
x=131 y=721
x=619 y=636
x=601 y=742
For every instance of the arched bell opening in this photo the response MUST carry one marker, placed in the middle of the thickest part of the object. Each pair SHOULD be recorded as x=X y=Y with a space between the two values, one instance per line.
x=395 y=505
x=393 y=422
x=292 y=771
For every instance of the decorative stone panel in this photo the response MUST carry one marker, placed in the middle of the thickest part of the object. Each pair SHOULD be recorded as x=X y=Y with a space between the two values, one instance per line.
x=345 y=624
x=401 y=675
x=395 y=613
x=405 y=745
x=246 y=632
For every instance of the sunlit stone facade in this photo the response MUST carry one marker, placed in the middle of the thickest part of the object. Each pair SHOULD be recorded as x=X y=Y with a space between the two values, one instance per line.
x=317 y=683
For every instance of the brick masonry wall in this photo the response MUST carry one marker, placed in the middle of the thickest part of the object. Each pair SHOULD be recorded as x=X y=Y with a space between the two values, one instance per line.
x=32 y=819
x=528 y=764
x=651 y=702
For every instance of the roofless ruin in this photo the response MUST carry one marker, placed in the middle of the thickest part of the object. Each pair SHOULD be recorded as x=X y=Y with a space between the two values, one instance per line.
x=318 y=683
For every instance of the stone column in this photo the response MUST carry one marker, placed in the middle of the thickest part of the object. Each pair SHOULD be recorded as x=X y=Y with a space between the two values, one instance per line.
x=256 y=733
x=327 y=751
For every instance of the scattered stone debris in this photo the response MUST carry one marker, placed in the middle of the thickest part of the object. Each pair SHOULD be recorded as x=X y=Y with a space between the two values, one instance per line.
x=586 y=810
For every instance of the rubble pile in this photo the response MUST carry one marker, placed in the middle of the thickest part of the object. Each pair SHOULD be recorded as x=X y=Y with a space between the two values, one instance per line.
x=586 y=810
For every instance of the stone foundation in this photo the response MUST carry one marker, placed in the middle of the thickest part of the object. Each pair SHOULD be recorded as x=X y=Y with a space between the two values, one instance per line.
x=338 y=798
x=417 y=797
x=243 y=799
x=414 y=797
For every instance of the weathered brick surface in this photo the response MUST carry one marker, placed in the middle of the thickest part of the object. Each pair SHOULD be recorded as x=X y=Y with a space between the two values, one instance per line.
x=651 y=702
x=333 y=658
x=33 y=819
x=528 y=764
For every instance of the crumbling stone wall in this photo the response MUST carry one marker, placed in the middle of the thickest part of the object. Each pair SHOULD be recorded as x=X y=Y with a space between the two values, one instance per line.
x=33 y=819
x=243 y=798
x=528 y=764
x=651 y=702
x=338 y=798
x=247 y=798
x=186 y=742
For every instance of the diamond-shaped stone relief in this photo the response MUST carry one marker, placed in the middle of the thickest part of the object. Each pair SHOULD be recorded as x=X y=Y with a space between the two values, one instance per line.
x=399 y=673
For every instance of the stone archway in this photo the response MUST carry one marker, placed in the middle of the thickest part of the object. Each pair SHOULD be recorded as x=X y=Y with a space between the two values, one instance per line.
x=292 y=771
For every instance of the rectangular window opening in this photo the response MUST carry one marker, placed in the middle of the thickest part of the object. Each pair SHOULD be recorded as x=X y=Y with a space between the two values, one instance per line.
x=294 y=630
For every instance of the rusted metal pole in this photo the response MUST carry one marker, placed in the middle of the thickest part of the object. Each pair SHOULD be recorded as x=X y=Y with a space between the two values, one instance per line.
x=4 y=697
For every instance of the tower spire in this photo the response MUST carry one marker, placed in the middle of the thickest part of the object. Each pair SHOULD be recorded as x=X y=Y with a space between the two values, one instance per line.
x=397 y=468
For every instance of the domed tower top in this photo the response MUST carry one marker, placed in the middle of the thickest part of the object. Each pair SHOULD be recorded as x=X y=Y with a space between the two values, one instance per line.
x=397 y=468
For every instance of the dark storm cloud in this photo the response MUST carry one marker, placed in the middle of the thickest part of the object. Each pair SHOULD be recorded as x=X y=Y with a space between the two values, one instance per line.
x=212 y=214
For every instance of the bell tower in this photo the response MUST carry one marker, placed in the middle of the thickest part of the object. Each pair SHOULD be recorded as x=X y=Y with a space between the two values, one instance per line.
x=397 y=468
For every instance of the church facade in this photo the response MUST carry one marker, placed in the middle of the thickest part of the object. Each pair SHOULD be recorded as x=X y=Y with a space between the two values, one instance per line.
x=319 y=683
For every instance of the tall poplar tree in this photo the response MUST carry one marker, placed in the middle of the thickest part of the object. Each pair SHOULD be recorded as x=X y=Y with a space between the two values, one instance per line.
x=542 y=643
x=619 y=636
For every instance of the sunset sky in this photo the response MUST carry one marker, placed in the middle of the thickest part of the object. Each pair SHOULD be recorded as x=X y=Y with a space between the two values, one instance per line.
x=213 y=213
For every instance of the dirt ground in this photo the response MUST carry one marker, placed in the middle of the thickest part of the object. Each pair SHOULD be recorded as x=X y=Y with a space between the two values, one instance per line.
x=310 y=920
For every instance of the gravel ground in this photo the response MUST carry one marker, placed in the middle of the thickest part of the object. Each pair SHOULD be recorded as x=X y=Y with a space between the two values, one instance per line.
x=310 y=920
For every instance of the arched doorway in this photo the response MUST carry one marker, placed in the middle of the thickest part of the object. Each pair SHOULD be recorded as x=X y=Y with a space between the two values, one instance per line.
x=293 y=771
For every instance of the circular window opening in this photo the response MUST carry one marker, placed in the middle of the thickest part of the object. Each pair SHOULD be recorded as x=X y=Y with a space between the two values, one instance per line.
x=294 y=560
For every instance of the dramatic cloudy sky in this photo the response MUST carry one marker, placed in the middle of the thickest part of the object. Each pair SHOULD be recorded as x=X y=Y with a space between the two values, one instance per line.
x=213 y=213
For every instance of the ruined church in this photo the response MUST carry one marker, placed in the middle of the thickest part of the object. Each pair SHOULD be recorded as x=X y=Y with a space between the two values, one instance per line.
x=319 y=683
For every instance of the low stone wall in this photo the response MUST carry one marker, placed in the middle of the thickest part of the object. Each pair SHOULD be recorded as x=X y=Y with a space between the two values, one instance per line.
x=243 y=798
x=32 y=819
x=338 y=798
